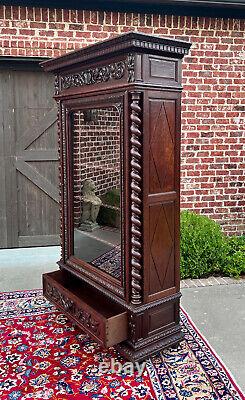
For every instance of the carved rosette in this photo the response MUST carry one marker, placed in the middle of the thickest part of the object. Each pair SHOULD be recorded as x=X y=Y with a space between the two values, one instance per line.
x=130 y=67
x=56 y=84
x=136 y=199
x=132 y=327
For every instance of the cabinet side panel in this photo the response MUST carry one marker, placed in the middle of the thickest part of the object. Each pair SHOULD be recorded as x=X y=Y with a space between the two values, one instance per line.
x=161 y=226
x=161 y=145
x=162 y=246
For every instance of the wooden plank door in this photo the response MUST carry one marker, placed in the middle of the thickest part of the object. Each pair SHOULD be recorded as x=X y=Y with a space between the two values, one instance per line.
x=28 y=160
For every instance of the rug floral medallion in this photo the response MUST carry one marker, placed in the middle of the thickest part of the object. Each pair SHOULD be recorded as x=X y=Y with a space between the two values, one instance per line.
x=44 y=356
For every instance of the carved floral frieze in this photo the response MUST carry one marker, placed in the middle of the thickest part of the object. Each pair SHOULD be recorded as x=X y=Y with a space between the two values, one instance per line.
x=91 y=76
x=82 y=316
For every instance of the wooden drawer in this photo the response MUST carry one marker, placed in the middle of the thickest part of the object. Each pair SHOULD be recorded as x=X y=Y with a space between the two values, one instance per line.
x=100 y=317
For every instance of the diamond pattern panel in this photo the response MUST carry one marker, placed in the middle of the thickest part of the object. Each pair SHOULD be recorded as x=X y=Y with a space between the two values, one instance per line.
x=161 y=247
x=162 y=142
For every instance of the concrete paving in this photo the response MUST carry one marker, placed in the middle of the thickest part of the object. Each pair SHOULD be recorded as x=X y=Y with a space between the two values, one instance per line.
x=22 y=269
x=218 y=311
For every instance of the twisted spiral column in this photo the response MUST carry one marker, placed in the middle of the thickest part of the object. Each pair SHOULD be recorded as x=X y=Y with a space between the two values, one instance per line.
x=60 y=174
x=63 y=182
x=136 y=199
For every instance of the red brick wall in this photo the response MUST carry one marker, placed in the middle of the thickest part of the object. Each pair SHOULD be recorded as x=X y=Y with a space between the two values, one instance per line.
x=96 y=153
x=213 y=97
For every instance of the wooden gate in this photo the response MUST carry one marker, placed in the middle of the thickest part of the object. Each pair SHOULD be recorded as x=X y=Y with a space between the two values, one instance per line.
x=28 y=160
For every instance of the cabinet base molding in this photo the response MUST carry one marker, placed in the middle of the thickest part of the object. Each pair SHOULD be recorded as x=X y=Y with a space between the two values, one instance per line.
x=140 y=354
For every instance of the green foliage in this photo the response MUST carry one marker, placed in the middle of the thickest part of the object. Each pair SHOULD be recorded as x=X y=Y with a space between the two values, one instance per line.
x=112 y=198
x=206 y=251
x=235 y=262
x=203 y=247
x=109 y=213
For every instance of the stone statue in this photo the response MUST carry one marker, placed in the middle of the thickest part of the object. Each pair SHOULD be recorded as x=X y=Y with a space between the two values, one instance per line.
x=90 y=206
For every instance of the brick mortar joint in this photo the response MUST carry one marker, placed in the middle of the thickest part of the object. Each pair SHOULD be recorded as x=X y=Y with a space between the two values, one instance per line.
x=195 y=131
x=203 y=23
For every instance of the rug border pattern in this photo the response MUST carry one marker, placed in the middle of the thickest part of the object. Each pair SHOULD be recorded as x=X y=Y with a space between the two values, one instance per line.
x=225 y=374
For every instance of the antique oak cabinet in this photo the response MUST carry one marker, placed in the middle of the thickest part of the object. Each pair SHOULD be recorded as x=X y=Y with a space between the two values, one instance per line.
x=119 y=142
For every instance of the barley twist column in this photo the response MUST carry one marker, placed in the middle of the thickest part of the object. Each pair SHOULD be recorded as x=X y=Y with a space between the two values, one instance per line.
x=136 y=199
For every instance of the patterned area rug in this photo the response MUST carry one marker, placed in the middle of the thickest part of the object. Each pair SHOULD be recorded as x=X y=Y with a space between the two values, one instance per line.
x=43 y=356
x=110 y=262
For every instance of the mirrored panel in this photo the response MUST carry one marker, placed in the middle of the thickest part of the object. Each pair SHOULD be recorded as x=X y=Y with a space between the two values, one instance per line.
x=97 y=166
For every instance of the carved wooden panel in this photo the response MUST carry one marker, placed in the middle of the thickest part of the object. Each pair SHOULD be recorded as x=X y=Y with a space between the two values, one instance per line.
x=98 y=74
x=161 y=316
x=104 y=320
x=160 y=68
x=161 y=247
x=162 y=177
x=83 y=316
x=162 y=144
x=161 y=71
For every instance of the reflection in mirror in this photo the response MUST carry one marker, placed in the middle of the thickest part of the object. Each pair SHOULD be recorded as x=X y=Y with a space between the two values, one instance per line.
x=96 y=181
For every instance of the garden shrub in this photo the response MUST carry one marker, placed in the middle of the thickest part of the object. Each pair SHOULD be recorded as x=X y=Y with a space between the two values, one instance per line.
x=109 y=213
x=206 y=251
x=203 y=246
x=235 y=261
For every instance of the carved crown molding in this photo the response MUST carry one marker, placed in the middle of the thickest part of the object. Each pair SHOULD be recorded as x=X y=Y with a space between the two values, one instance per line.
x=97 y=75
x=128 y=42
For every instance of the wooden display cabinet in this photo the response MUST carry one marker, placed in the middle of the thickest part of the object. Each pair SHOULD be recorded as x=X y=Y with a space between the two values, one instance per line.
x=119 y=142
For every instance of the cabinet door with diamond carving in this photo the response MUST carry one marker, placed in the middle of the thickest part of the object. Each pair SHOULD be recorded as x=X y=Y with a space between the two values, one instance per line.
x=161 y=198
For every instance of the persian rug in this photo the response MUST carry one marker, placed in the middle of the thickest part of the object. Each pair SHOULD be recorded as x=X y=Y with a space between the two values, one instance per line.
x=44 y=356
x=110 y=262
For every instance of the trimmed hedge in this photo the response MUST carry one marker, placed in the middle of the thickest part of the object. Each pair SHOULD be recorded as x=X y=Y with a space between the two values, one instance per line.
x=235 y=262
x=206 y=251
x=109 y=213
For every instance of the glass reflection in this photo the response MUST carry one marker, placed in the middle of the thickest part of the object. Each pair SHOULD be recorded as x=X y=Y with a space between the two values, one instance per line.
x=96 y=171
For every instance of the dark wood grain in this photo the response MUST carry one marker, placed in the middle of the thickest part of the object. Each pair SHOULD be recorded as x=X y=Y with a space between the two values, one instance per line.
x=149 y=89
x=96 y=314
